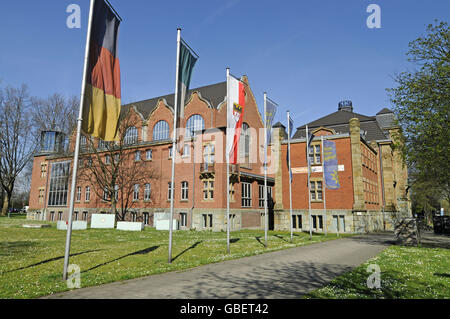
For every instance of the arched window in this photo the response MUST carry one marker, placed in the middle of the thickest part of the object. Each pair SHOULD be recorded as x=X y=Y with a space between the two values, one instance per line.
x=161 y=131
x=194 y=124
x=131 y=135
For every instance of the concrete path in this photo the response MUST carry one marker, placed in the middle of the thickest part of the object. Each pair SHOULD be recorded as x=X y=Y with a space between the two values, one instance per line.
x=288 y=273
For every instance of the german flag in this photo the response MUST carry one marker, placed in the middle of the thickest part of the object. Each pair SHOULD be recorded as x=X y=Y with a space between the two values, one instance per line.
x=102 y=102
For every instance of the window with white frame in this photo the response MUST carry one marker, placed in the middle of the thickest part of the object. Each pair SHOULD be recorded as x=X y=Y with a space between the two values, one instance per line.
x=170 y=152
x=169 y=191
x=131 y=135
x=244 y=143
x=59 y=184
x=194 y=125
x=261 y=194
x=316 y=190
x=105 y=194
x=314 y=154
x=207 y=220
x=83 y=143
x=137 y=156
x=161 y=131
x=209 y=156
x=136 y=192
x=107 y=159
x=87 y=194
x=183 y=219
x=147 y=191
x=186 y=150
x=246 y=194
x=78 y=198
x=184 y=190
x=148 y=154
x=208 y=189
x=116 y=192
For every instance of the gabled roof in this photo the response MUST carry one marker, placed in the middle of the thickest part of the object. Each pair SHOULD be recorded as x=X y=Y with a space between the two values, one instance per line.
x=214 y=94
x=338 y=117
x=385 y=111
x=339 y=121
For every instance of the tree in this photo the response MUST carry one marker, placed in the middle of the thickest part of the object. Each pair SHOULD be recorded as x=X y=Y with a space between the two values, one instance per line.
x=112 y=168
x=55 y=113
x=422 y=107
x=18 y=139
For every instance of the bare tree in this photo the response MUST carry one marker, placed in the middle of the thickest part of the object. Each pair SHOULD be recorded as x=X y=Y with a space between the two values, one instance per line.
x=18 y=139
x=56 y=113
x=112 y=168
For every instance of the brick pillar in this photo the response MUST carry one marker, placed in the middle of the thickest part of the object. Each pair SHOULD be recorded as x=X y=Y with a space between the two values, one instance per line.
x=276 y=162
x=388 y=176
x=358 y=185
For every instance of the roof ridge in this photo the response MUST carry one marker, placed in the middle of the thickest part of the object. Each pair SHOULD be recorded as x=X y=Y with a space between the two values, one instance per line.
x=167 y=95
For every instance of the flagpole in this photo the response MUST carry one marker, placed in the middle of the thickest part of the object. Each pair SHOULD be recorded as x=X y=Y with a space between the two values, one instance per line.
x=228 y=164
x=289 y=168
x=266 y=219
x=309 y=183
x=324 y=186
x=77 y=143
x=174 y=143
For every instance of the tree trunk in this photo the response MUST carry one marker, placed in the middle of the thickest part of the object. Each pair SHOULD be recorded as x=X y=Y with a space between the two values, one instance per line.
x=5 y=204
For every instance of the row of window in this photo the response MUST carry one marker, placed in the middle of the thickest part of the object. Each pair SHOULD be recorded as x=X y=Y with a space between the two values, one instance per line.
x=338 y=222
x=369 y=159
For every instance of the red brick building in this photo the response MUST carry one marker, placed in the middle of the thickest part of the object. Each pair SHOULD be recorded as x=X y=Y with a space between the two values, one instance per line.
x=371 y=176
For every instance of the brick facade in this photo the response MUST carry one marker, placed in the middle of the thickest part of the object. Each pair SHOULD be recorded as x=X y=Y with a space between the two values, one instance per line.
x=370 y=177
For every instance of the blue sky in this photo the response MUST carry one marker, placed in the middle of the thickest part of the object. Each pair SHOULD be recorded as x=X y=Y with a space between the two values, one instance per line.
x=308 y=55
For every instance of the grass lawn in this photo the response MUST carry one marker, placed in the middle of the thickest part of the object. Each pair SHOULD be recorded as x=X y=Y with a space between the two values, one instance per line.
x=31 y=260
x=406 y=273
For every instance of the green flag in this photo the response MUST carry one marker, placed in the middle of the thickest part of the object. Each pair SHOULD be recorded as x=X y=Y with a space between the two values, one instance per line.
x=186 y=65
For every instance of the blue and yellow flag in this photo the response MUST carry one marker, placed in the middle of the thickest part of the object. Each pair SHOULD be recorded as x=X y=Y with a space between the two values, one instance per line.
x=330 y=165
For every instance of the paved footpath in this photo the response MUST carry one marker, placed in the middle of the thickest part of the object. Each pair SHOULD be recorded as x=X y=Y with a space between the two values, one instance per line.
x=288 y=273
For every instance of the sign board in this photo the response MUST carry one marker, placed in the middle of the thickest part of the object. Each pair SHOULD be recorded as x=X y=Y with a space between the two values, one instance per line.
x=76 y=225
x=131 y=226
x=314 y=169
x=103 y=220
x=163 y=224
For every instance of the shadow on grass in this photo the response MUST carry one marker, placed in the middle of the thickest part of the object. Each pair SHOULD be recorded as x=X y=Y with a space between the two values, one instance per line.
x=442 y=275
x=234 y=240
x=258 y=238
x=187 y=249
x=139 y=252
x=14 y=247
x=51 y=259
x=281 y=237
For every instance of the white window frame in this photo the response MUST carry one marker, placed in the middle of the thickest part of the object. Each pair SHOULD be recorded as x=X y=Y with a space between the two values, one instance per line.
x=246 y=189
x=147 y=191
x=184 y=190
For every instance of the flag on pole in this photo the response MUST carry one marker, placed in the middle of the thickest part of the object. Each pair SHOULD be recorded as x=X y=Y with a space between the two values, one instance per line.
x=271 y=109
x=308 y=146
x=330 y=164
x=235 y=113
x=102 y=100
x=288 y=156
x=186 y=65
x=291 y=125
